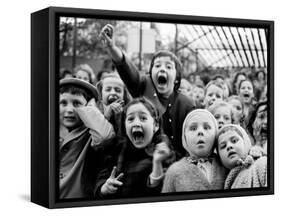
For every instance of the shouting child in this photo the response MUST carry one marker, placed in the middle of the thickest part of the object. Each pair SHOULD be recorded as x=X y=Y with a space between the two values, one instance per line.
x=134 y=166
x=160 y=86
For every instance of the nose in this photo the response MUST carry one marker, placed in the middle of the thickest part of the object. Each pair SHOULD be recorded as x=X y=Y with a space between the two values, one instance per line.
x=200 y=131
x=69 y=108
x=137 y=122
x=229 y=147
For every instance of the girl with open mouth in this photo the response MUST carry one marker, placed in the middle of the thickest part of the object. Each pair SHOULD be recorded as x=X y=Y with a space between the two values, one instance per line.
x=113 y=97
x=234 y=150
x=135 y=165
x=246 y=93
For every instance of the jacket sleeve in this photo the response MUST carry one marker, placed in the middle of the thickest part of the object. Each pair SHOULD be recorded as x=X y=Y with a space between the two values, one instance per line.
x=130 y=76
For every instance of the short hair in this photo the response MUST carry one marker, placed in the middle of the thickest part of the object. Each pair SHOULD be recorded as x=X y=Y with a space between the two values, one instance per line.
x=216 y=83
x=235 y=97
x=86 y=68
x=75 y=90
x=164 y=53
x=65 y=72
x=219 y=104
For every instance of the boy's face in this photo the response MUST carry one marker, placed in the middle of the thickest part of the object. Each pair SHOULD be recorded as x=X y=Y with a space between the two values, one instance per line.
x=112 y=90
x=200 y=133
x=140 y=125
x=223 y=116
x=164 y=75
x=213 y=93
x=198 y=94
x=237 y=110
x=185 y=88
x=246 y=91
x=83 y=75
x=231 y=148
x=68 y=103
x=260 y=124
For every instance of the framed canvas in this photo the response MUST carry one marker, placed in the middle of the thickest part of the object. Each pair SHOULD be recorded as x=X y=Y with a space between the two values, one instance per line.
x=134 y=107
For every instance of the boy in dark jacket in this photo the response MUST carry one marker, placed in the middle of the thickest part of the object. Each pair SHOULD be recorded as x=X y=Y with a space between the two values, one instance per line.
x=77 y=159
x=160 y=86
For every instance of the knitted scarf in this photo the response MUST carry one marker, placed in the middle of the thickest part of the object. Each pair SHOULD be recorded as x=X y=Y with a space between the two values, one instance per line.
x=242 y=164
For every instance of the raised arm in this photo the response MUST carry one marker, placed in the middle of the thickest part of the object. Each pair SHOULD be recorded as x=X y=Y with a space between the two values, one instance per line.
x=126 y=69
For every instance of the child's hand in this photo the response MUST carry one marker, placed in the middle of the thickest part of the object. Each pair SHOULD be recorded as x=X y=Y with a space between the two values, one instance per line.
x=256 y=151
x=161 y=152
x=114 y=108
x=112 y=183
x=106 y=35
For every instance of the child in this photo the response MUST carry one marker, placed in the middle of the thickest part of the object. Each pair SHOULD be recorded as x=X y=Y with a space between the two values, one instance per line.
x=76 y=158
x=246 y=93
x=113 y=97
x=198 y=94
x=160 y=86
x=84 y=72
x=236 y=81
x=233 y=149
x=186 y=87
x=222 y=112
x=258 y=128
x=201 y=170
x=238 y=110
x=213 y=92
x=134 y=167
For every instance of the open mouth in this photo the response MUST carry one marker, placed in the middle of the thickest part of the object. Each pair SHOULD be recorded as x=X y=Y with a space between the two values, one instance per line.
x=137 y=134
x=200 y=142
x=230 y=154
x=162 y=79
x=112 y=98
x=263 y=131
x=246 y=95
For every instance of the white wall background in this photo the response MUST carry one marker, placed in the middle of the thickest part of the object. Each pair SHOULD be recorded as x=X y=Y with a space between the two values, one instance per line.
x=15 y=107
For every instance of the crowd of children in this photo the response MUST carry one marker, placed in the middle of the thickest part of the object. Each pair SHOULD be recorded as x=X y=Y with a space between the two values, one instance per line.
x=133 y=135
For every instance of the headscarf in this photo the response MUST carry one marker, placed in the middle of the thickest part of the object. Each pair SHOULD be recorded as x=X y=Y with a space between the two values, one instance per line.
x=187 y=119
x=240 y=131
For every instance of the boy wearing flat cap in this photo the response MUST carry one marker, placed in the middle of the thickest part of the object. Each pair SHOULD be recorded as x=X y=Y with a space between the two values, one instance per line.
x=82 y=126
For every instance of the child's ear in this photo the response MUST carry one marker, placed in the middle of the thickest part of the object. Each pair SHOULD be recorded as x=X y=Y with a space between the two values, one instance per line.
x=156 y=127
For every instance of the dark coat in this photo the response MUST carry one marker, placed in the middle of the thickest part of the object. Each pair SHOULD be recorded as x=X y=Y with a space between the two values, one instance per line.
x=173 y=111
x=79 y=164
x=136 y=165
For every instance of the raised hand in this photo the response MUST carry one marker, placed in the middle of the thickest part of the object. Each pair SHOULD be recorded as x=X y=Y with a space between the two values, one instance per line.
x=161 y=152
x=115 y=107
x=106 y=35
x=112 y=183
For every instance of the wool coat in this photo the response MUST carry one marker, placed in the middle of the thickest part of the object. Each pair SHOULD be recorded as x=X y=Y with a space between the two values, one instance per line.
x=135 y=164
x=252 y=175
x=185 y=175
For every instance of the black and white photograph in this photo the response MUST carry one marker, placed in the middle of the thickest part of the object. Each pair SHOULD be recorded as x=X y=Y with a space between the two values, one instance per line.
x=153 y=109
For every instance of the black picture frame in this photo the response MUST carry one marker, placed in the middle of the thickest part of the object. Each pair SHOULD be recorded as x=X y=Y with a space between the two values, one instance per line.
x=44 y=103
